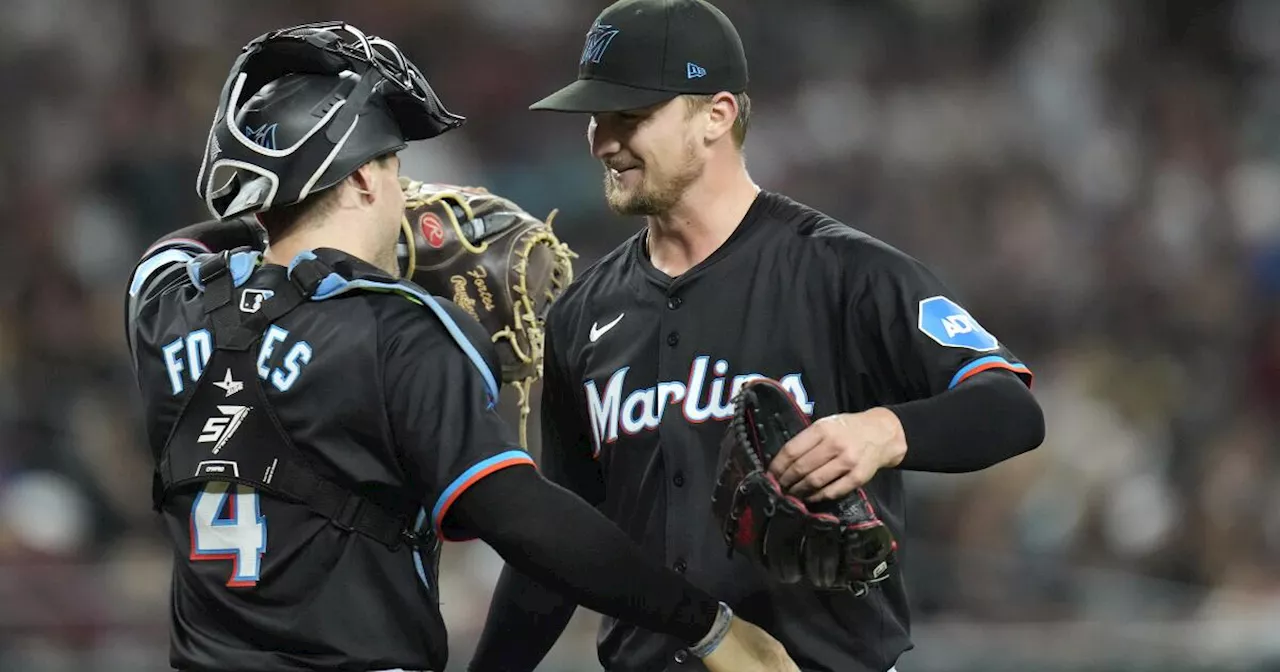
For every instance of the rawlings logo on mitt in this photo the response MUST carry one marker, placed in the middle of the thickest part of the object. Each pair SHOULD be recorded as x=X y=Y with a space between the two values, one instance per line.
x=838 y=545
x=495 y=260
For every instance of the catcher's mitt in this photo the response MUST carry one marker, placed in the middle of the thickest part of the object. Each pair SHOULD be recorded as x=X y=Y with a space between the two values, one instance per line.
x=495 y=260
x=839 y=545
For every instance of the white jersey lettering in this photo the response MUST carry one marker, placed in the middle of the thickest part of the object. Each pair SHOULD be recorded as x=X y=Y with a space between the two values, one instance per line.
x=698 y=398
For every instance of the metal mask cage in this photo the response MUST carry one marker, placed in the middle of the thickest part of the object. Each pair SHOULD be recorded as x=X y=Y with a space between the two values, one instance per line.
x=332 y=48
x=377 y=52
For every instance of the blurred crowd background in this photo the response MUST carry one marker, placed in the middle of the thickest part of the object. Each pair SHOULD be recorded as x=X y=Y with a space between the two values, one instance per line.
x=1099 y=181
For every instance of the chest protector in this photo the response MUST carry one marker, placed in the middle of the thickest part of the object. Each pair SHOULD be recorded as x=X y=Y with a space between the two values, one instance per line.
x=227 y=430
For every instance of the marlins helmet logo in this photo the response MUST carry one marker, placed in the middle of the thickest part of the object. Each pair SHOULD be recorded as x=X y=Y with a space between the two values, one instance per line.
x=264 y=136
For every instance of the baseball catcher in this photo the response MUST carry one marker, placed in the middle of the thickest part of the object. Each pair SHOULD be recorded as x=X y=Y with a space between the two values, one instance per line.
x=839 y=545
x=493 y=259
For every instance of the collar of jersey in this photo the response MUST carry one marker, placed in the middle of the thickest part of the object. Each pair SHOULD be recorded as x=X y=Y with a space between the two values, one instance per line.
x=746 y=229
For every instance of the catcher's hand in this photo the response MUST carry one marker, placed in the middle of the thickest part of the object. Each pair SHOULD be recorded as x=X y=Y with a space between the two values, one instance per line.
x=837 y=545
x=495 y=260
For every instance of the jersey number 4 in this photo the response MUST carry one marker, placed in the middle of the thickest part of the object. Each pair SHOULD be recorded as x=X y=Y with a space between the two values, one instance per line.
x=226 y=524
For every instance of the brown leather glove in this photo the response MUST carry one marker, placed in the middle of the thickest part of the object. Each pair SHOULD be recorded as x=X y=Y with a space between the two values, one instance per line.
x=499 y=263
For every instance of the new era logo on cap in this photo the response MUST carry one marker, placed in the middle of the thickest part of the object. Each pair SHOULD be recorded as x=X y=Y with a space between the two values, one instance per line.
x=693 y=70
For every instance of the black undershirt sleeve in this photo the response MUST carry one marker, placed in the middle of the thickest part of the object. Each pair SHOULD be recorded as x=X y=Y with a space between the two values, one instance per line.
x=526 y=617
x=219 y=236
x=525 y=620
x=557 y=539
x=988 y=418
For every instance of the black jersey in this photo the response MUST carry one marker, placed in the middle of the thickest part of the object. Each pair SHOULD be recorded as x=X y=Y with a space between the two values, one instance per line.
x=372 y=395
x=639 y=374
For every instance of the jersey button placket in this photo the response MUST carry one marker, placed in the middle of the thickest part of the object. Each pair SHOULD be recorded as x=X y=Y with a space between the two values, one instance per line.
x=681 y=656
x=673 y=365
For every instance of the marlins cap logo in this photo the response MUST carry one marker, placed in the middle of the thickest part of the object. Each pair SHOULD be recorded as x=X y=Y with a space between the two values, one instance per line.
x=598 y=39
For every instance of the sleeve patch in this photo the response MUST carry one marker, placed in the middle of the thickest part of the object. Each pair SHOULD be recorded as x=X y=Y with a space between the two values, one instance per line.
x=949 y=325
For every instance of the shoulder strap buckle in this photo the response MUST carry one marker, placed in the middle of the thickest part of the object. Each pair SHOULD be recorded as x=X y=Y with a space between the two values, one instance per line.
x=308 y=274
x=215 y=267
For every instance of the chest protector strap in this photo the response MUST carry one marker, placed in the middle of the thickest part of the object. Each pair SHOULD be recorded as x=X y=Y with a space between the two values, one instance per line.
x=227 y=430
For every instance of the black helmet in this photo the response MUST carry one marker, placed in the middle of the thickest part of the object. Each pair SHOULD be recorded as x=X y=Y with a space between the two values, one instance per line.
x=303 y=108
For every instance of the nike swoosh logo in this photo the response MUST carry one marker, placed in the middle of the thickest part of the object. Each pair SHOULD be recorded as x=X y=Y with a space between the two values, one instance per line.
x=598 y=331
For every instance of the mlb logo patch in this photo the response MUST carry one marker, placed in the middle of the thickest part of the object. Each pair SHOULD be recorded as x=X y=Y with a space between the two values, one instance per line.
x=251 y=300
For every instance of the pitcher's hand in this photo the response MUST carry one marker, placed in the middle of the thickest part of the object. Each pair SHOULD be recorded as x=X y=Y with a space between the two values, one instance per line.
x=747 y=648
x=839 y=453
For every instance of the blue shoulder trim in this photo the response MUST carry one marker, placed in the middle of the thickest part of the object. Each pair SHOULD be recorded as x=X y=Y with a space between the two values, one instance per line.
x=334 y=285
x=155 y=262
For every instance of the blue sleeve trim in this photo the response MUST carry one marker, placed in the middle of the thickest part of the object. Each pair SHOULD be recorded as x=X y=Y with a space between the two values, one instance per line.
x=470 y=476
x=983 y=364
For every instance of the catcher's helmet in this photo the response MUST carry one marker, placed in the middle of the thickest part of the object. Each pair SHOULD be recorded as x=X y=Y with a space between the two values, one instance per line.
x=303 y=108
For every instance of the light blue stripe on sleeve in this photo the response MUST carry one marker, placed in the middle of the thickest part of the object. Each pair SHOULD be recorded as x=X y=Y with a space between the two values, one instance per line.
x=154 y=263
x=988 y=362
x=463 y=479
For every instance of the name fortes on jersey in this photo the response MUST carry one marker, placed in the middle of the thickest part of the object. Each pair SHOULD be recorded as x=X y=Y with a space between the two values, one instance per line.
x=191 y=354
x=700 y=399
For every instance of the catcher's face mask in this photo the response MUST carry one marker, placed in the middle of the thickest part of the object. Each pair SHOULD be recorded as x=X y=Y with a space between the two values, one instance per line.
x=356 y=97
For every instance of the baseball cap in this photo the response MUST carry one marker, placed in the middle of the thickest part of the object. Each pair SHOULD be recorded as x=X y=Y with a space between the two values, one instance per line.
x=641 y=52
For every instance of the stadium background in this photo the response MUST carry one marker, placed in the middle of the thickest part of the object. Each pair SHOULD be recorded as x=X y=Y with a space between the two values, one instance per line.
x=1100 y=181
